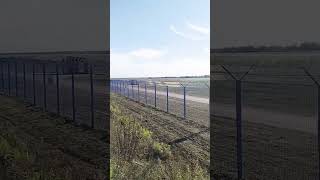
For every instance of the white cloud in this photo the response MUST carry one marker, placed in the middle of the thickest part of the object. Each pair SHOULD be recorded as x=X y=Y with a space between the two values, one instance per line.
x=127 y=65
x=203 y=30
x=184 y=35
x=147 y=53
x=199 y=32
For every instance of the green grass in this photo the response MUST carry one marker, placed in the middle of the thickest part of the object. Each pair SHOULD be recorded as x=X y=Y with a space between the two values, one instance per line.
x=135 y=154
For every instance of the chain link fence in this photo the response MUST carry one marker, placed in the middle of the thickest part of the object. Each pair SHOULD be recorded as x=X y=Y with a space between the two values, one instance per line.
x=265 y=122
x=185 y=99
x=71 y=87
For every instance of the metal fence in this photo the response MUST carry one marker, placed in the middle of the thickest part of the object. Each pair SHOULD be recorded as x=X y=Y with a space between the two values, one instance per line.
x=64 y=89
x=265 y=122
x=186 y=100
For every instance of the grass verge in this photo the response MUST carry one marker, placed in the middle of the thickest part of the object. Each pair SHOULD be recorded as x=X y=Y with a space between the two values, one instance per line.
x=136 y=154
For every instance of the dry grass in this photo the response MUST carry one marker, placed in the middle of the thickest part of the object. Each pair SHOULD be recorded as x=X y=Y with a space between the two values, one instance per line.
x=135 y=154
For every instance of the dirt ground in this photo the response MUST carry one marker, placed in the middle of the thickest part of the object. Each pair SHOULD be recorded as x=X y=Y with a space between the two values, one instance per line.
x=58 y=145
x=195 y=111
x=189 y=138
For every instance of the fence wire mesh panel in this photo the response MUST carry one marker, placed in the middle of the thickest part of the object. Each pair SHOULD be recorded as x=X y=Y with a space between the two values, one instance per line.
x=66 y=94
x=99 y=94
x=273 y=132
x=183 y=99
x=69 y=86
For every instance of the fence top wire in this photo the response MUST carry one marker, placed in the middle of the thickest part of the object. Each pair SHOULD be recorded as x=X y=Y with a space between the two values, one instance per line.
x=277 y=75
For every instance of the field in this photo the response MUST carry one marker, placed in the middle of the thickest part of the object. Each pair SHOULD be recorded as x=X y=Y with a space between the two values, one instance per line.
x=279 y=114
x=38 y=145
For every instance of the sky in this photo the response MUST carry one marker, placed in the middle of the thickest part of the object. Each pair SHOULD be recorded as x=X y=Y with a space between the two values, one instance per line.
x=156 y=38
x=264 y=22
x=53 y=25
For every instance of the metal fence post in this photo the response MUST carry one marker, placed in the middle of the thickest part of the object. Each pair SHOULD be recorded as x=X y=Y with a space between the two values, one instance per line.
x=184 y=102
x=238 y=118
x=138 y=92
x=117 y=87
x=73 y=95
x=58 y=89
x=44 y=86
x=120 y=87
x=145 y=93
x=167 y=99
x=318 y=127
x=92 y=98
x=239 y=129
x=127 y=89
x=132 y=91
x=155 y=95
x=34 y=84
x=9 y=79
x=24 y=81
x=16 y=76
x=123 y=88
x=2 y=78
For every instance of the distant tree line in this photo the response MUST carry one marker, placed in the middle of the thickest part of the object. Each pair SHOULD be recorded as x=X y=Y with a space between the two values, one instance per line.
x=304 y=46
x=203 y=76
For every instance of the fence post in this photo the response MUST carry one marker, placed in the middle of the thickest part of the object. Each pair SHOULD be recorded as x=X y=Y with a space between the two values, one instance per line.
x=34 y=84
x=44 y=86
x=145 y=93
x=73 y=95
x=238 y=118
x=132 y=91
x=167 y=99
x=92 y=98
x=2 y=79
x=319 y=127
x=24 y=81
x=239 y=129
x=155 y=95
x=138 y=92
x=120 y=87
x=58 y=88
x=117 y=87
x=9 y=79
x=123 y=88
x=184 y=102
x=16 y=76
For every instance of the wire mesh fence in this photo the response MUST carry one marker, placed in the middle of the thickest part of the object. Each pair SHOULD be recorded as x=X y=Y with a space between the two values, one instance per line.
x=77 y=93
x=185 y=99
x=265 y=122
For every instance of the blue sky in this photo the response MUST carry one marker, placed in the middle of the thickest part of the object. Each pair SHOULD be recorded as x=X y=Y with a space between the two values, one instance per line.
x=152 y=38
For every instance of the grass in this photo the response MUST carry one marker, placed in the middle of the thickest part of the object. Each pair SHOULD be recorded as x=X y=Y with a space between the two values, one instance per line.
x=37 y=146
x=21 y=164
x=136 y=154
